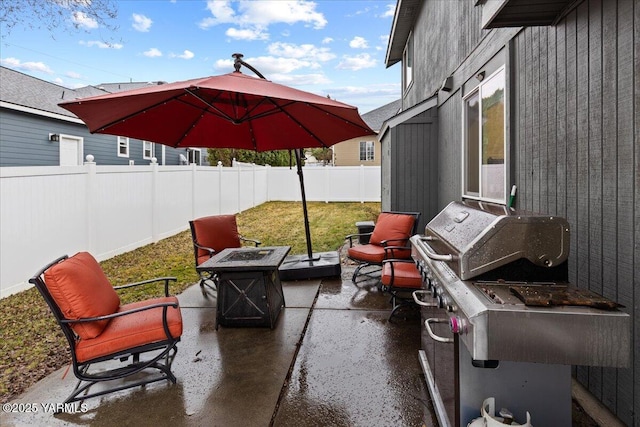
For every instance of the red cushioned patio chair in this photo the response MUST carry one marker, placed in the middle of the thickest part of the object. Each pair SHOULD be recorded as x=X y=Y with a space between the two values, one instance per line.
x=141 y=336
x=400 y=277
x=212 y=234
x=389 y=239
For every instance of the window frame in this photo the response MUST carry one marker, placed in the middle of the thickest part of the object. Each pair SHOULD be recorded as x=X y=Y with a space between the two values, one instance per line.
x=477 y=91
x=408 y=58
x=122 y=141
x=367 y=145
x=191 y=152
x=151 y=150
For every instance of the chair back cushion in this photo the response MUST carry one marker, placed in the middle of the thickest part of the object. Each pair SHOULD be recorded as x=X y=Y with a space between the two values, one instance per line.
x=80 y=289
x=392 y=226
x=216 y=232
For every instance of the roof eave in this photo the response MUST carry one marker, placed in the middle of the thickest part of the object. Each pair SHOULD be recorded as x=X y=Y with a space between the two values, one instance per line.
x=403 y=19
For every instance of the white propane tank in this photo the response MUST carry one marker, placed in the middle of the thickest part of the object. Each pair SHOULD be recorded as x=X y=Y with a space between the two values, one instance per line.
x=489 y=419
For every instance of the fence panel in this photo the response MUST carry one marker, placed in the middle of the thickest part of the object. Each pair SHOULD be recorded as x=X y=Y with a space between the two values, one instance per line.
x=47 y=211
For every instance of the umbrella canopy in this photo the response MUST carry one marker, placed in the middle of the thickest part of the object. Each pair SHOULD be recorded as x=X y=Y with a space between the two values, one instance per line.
x=228 y=111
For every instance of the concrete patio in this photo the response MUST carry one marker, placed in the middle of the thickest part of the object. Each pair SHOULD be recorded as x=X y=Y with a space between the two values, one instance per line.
x=332 y=359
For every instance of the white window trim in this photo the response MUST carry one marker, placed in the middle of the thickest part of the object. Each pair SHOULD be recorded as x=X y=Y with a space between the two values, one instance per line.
x=507 y=159
x=151 y=150
x=190 y=156
x=125 y=139
x=373 y=151
x=406 y=85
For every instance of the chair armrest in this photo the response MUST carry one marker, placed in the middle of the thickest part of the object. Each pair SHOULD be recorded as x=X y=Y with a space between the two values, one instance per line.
x=121 y=313
x=386 y=242
x=144 y=282
x=389 y=250
x=350 y=237
x=256 y=242
x=204 y=248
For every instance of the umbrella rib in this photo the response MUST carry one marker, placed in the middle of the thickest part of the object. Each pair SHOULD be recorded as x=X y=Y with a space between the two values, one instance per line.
x=134 y=114
x=213 y=107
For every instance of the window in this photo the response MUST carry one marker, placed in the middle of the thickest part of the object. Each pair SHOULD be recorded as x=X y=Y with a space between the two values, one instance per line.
x=407 y=63
x=366 y=151
x=148 y=150
x=194 y=155
x=484 y=170
x=123 y=146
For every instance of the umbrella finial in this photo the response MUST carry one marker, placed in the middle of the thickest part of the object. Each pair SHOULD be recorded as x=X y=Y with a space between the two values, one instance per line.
x=237 y=63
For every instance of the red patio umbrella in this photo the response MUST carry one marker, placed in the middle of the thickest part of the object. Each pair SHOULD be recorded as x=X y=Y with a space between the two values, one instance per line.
x=228 y=111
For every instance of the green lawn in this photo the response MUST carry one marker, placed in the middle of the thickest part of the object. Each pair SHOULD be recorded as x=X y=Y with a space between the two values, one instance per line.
x=32 y=345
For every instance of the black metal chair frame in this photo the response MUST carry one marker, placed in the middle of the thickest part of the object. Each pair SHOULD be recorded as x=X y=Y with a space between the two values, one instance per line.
x=387 y=246
x=161 y=361
x=207 y=278
x=399 y=301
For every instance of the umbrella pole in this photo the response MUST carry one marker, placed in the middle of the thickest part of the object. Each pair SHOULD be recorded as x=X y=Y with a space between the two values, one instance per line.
x=304 y=203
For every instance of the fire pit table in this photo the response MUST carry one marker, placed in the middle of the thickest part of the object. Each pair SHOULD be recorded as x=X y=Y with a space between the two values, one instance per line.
x=249 y=288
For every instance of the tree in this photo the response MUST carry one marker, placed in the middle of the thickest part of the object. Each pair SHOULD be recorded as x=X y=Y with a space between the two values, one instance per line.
x=272 y=158
x=50 y=14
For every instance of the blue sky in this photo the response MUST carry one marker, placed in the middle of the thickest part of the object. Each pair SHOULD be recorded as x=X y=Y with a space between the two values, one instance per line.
x=334 y=48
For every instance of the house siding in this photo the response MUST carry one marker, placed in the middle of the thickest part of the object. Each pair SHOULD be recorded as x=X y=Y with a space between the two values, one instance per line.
x=347 y=153
x=24 y=141
x=573 y=129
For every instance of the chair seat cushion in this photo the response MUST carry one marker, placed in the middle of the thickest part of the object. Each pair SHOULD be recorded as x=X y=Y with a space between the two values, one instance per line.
x=80 y=289
x=367 y=253
x=405 y=275
x=132 y=330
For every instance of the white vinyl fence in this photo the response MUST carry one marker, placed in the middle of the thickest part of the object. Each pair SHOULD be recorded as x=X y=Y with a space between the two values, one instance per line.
x=48 y=211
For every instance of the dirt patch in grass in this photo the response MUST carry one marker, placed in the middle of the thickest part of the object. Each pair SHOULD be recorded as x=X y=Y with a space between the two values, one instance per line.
x=31 y=343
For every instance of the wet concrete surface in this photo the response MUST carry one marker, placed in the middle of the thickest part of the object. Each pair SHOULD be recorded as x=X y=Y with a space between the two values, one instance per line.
x=333 y=359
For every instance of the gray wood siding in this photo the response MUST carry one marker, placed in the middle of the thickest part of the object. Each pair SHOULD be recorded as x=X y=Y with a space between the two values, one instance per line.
x=574 y=140
x=450 y=31
x=576 y=155
x=413 y=166
x=24 y=141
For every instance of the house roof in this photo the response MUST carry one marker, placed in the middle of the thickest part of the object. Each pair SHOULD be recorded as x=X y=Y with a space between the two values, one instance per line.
x=27 y=93
x=403 y=19
x=375 y=118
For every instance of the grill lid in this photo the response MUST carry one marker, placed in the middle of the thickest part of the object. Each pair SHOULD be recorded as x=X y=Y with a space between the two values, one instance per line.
x=476 y=237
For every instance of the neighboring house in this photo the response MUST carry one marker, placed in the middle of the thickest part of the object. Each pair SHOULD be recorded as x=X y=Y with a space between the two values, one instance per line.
x=541 y=95
x=35 y=131
x=365 y=150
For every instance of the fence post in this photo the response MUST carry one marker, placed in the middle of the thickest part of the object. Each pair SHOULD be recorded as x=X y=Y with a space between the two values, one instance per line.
x=91 y=204
x=194 y=197
x=155 y=200
x=219 y=187
x=362 y=184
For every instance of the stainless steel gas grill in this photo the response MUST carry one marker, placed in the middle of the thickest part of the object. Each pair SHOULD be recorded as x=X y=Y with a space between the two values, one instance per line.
x=496 y=280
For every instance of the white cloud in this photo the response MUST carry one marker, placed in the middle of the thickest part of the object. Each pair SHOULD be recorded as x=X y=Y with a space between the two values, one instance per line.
x=391 y=10
x=288 y=12
x=187 y=54
x=359 y=43
x=141 y=23
x=101 y=44
x=300 y=79
x=73 y=75
x=254 y=17
x=267 y=65
x=82 y=20
x=26 y=66
x=152 y=53
x=327 y=40
x=301 y=51
x=247 y=34
x=357 y=62
x=58 y=81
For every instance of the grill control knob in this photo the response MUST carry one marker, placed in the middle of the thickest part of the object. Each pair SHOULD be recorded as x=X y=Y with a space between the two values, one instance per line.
x=458 y=325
